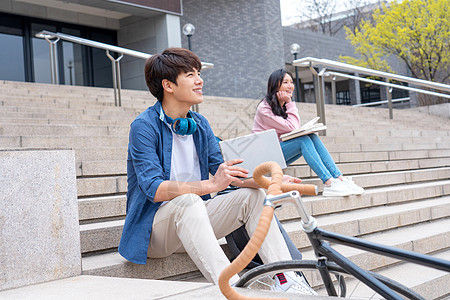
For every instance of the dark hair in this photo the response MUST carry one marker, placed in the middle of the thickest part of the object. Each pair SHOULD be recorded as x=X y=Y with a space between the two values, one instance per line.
x=168 y=65
x=274 y=83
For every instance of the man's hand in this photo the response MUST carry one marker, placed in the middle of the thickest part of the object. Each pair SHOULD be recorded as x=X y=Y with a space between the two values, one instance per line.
x=228 y=173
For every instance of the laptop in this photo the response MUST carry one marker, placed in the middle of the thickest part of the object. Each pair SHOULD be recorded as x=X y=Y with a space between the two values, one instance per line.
x=254 y=149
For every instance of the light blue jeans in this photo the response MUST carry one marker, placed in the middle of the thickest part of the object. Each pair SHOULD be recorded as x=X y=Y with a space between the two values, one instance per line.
x=315 y=153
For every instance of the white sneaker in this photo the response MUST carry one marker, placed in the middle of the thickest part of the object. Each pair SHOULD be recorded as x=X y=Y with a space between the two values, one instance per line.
x=292 y=283
x=357 y=190
x=337 y=188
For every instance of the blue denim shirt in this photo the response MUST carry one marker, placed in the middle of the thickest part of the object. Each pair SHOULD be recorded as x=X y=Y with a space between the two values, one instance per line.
x=148 y=165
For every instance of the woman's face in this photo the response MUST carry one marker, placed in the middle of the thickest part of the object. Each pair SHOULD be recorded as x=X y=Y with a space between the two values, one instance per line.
x=287 y=85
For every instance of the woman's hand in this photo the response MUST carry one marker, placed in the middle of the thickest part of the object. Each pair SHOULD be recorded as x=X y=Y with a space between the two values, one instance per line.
x=290 y=179
x=228 y=173
x=283 y=97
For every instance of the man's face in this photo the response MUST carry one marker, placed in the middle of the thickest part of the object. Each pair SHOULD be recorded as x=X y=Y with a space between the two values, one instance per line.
x=189 y=87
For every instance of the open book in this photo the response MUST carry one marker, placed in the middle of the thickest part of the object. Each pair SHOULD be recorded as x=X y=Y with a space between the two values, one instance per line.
x=307 y=128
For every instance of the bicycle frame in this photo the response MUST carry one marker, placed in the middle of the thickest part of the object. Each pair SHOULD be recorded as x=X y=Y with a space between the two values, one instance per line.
x=323 y=250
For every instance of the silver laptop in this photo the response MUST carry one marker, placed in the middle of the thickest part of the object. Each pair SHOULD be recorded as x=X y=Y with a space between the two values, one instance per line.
x=254 y=149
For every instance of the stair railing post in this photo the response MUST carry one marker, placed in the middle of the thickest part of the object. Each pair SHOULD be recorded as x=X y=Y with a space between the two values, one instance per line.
x=321 y=102
x=333 y=89
x=319 y=91
x=389 y=98
x=53 y=60
x=116 y=77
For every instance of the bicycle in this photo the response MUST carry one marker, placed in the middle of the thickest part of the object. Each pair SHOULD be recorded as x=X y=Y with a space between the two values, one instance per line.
x=330 y=262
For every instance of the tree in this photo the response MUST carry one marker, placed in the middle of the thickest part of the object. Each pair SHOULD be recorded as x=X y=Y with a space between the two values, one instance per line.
x=359 y=11
x=319 y=15
x=415 y=31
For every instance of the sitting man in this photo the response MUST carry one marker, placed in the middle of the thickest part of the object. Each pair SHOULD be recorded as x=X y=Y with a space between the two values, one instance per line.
x=171 y=152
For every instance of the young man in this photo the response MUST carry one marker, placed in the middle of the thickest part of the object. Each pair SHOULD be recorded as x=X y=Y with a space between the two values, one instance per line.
x=171 y=152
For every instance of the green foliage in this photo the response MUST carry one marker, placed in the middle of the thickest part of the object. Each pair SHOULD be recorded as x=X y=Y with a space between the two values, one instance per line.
x=415 y=31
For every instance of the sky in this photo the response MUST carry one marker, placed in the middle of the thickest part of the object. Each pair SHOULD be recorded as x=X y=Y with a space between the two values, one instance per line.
x=289 y=10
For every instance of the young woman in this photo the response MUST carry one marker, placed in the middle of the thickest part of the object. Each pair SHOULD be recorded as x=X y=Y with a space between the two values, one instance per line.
x=277 y=111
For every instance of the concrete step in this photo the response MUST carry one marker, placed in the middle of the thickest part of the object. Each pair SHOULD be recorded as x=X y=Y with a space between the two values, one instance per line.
x=99 y=186
x=111 y=206
x=428 y=282
x=98 y=208
x=63 y=141
x=375 y=219
x=84 y=97
x=364 y=157
x=112 y=112
x=381 y=179
x=106 y=235
x=65 y=121
x=103 y=167
x=99 y=287
x=100 y=236
x=105 y=153
x=425 y=238
x=304 y=171
x=63 y=130
x=112 y=264
x=43 y=90
x=112 y=171
x=106 y=164
x=342 y=157
x=101 y=154
x=177 y=265
x=385 y=139
x=106 y=206
x=80 y=93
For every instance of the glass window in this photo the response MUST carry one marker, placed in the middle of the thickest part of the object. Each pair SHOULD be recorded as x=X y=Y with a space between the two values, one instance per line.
x=343 y=98
x=102 y=66
x=72 y=60
x=41 y=54
x=370 y=93
x=11 y=57
x=24 y=57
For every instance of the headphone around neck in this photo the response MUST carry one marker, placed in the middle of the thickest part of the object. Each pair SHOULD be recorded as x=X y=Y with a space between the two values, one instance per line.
x=182 y=126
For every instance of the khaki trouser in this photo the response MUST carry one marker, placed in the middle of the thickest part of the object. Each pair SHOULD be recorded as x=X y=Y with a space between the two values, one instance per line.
x=188 y=224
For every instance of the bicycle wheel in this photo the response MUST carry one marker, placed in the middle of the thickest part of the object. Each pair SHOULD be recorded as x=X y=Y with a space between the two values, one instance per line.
x=346 y=285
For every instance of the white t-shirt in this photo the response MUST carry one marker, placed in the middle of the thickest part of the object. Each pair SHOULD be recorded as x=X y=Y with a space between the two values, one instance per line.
x=184 y=165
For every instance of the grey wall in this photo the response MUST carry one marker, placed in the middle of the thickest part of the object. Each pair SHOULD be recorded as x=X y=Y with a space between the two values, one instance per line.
x=148 y=35
x=58 y=14
x=315 y=44
x=244 y=40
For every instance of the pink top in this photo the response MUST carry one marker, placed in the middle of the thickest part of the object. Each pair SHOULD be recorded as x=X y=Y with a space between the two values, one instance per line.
x=265 y=119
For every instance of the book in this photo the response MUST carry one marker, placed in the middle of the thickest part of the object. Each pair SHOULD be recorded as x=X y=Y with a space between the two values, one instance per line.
x=309 y=127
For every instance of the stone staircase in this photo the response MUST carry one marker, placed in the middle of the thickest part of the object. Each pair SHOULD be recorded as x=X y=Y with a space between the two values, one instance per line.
x=404 y=165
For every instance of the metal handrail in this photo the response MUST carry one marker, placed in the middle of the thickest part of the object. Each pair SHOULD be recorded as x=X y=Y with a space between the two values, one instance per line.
x=309 y=62
x=397 y=86
x=406 y=99
x=48 y=36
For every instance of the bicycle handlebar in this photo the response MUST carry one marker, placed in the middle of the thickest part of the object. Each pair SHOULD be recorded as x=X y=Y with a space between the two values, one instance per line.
x=274 y=187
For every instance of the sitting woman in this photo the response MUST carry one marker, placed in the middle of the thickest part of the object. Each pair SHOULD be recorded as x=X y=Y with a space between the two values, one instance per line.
x=277 y=111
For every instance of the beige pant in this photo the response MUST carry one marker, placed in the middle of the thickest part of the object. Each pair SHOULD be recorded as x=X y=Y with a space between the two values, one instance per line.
x=188 y=224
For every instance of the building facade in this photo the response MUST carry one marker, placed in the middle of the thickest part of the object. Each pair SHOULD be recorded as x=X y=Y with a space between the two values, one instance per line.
x=244 y=39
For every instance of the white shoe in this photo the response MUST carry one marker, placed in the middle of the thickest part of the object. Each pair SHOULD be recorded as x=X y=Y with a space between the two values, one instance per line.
x=337 y=188
x=292 y=283
x=357 y=190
